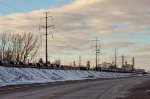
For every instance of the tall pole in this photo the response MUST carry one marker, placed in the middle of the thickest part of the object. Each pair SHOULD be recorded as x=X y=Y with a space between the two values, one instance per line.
x=96 y=49
x=80 y=61
x=115 y=59
x=122 y=60
x=46 y=38
x=46 y=30
x=133 y=63
x=74 y=63
x=98 y=55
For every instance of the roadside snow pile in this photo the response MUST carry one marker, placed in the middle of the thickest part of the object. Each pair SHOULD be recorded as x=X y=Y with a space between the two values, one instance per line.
x=14 y=76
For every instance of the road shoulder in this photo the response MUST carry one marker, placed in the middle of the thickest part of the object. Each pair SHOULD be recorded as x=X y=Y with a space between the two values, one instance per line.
x=141 y=91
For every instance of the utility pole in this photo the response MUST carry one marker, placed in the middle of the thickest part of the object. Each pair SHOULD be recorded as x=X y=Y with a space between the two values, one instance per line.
x=74 y=63
x=46 y=30
x=96 y=49
x=115 y=58
x=98 y=55
x=80 y=61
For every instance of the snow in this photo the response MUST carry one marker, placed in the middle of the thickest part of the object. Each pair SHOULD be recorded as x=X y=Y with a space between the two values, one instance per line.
x=15 y=76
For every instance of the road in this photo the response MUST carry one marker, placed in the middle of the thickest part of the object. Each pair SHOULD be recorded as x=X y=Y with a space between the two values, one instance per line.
x=96 y=89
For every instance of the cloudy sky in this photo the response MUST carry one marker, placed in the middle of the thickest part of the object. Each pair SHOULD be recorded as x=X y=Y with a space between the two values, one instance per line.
x=121 y=24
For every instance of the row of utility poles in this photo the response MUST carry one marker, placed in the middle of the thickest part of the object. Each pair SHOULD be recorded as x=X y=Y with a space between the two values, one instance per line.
x=95 y=41
x=97 y=52
x=47 y=26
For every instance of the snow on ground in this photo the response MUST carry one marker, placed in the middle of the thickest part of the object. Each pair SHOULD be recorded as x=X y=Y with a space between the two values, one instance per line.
x=14 y=76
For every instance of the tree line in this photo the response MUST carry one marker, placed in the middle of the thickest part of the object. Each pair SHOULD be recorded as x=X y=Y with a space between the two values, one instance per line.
x=19 y=47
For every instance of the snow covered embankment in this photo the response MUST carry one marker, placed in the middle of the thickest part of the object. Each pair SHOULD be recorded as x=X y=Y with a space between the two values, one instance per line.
x=14 y=76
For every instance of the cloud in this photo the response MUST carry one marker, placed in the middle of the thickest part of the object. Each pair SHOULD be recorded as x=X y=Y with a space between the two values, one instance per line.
x=142 y=61
x=145 y=49
x=118 y=44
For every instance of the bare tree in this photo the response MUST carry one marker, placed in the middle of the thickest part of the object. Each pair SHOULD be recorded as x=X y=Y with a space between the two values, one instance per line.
x=17 y=47
x=57 y=62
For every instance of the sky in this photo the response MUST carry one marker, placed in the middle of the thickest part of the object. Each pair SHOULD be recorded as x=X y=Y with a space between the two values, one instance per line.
x=121 y=24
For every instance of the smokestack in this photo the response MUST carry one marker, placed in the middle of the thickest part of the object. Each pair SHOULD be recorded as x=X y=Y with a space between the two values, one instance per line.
x=88 y=64
x=122 y=60
x=74 y=63
x=80 y=61
x=133 y=63
x=126 y=62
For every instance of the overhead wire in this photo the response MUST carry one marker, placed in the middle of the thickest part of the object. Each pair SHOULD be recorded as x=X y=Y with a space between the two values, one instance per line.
x=12 y=7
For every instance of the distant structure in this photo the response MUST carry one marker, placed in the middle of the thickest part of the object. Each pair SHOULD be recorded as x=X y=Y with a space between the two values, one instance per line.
x=74 y=63
x=80 y=61
x=106 y=65
x=122 y=60
x=88 y=64
x=127 y=66
x=115 y=66
x=133 y=63
x=114 y=63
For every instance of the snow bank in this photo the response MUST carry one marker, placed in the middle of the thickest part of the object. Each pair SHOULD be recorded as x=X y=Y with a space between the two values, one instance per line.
x=14 y=76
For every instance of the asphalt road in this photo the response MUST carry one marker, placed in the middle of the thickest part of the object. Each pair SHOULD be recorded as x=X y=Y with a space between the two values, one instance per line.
x=96 y=89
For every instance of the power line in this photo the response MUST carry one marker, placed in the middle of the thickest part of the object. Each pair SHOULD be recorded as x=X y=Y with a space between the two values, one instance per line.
x=16 y=9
